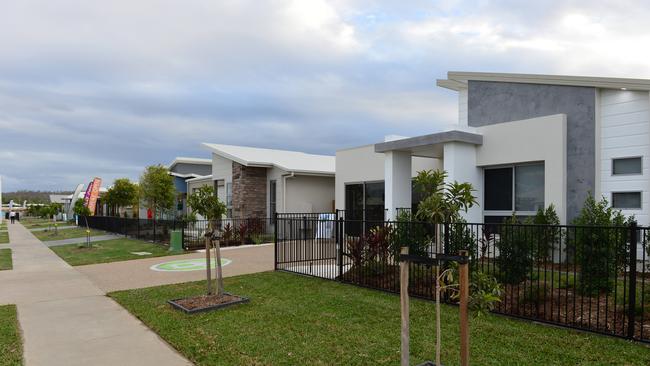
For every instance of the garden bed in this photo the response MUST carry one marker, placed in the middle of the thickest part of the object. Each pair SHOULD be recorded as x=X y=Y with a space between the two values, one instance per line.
x=198 y=304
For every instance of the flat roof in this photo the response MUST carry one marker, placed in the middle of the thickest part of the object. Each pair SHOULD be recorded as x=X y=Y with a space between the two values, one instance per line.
x=291 y=161
x=424 y=141
x=457 y=80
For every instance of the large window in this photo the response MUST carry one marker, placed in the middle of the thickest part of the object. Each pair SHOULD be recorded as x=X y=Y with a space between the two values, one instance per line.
x=364 y=201
x=626 y=166
x=513 y=189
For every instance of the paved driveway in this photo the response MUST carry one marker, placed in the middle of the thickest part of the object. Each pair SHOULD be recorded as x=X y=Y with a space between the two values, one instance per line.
x=138 y=273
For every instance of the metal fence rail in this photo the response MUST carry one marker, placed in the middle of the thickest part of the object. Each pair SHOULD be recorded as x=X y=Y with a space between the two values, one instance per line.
x=234 y=231
x=582 y=277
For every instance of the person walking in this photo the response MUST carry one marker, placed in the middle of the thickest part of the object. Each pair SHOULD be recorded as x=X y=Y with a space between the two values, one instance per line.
x=12 y=217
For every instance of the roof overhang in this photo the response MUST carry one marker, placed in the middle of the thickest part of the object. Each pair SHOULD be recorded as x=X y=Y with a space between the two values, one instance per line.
x=200 y=178
x=457 y=80
x=266 y=164
x=184 y=176
x=431 y=145
x=182 y=160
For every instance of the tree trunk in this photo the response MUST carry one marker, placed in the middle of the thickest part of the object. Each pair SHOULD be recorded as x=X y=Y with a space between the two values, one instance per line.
x=208 y=271
x=219 y=275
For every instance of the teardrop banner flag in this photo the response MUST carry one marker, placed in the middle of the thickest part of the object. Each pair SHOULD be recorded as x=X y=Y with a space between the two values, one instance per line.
x=94 y=194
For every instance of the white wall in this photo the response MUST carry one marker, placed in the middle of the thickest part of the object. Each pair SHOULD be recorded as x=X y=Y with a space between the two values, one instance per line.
x=363 y=164
x=460 y=165
x=307 y=193
x=531 y=140
x=221 y=168
x=462 y=107
x=625 y=132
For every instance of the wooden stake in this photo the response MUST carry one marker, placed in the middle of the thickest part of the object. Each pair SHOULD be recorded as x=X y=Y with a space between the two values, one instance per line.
x=208 y=271
x=404 y=303
x=464 y=316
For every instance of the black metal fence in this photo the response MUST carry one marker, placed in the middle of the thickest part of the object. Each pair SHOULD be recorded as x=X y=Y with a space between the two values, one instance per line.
x=236 y=231
x=587 y=278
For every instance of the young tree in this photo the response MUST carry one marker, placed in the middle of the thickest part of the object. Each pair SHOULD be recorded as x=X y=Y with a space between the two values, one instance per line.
x=157 y=189
x=442 y=201
x=123 y=193
x=80 y=208
x=205 y=202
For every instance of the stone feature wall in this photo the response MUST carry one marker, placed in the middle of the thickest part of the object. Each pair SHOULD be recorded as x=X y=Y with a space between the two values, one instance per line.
x=248 y=191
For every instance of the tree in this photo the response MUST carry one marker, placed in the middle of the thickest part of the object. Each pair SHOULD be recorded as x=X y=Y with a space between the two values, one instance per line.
x=205 y=202
x=123 y=193
x=157 y=189
x=80 y=208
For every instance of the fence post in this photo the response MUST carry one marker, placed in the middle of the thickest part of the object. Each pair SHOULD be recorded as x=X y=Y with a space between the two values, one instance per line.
x=631 y=314
x=445 y=248
x=463 y=272
x=339 y=244
x=404 y=306
x=154 y=229
x=126 y=222
x=275 y=241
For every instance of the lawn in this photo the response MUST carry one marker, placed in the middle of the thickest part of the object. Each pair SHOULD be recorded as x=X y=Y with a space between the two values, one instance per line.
x=295 y=320
x=70 y=233
x=11 y=352
x=5 y=259
x=4 y=237
x=109 y=251
x=31 y=222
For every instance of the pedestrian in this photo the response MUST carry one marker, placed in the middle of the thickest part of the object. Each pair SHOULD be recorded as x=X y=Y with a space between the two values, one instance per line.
x=12 y=217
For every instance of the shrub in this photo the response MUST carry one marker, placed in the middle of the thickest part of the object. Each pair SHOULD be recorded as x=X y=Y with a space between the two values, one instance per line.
x=356 y=250
x=460 y=238
x=600 y=251
x=547 y=236
x=514 y=260
x=379 y=243
x=417 y=236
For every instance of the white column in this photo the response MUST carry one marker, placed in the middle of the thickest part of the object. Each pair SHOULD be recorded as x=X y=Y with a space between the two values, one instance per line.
x=460 y=165
x=397 y=181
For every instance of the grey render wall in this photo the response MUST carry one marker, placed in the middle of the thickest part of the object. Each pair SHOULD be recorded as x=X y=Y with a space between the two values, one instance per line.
x=496 y=102
x=200 y=169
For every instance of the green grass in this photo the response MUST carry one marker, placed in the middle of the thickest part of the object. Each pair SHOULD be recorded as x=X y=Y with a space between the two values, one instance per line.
x=76 y=232
x=11 y=349
x=4 y=237
x=5 y=259
x=109 y=251
x=295 y=320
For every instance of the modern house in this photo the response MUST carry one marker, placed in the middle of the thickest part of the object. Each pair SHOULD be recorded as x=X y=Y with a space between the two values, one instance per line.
x=524 y=142
x=256 y=182
x=183 y=169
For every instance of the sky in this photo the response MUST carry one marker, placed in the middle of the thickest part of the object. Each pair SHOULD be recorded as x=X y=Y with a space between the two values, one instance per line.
x=106 y=88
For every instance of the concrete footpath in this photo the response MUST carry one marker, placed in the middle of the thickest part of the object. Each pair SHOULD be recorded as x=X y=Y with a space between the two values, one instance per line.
x=66 y=319
x=55 y=243
x=132 y=274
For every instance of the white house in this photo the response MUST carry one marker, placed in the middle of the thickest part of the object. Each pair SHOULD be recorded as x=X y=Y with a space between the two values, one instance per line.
x=257 y=182
x=183 y=169
x=524 y=142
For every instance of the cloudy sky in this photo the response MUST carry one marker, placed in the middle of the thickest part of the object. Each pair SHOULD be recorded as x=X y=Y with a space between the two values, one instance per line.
x=93 y=88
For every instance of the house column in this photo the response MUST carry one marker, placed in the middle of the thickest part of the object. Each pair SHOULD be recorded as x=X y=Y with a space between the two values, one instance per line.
x=397 y=181
x=460 y=164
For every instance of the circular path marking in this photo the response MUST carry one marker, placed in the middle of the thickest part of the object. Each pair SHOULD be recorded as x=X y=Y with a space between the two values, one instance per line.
x=186 y=265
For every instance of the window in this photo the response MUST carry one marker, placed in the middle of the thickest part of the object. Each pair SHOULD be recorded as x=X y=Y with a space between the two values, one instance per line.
x=229 y=199
x=514 y=189
x=363 y=201
x=272 y=198
x=626 y=166
x=626 y=200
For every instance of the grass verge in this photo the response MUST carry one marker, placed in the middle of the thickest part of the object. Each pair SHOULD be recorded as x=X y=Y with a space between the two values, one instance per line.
x=109 y=251
x=60 y=234
x=11 y=349
x=294 y=320
x=4 y=237
x=5 y=259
